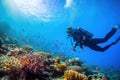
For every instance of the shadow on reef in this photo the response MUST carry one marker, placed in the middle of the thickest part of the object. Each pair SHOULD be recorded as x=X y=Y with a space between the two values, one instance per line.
x=24 y=63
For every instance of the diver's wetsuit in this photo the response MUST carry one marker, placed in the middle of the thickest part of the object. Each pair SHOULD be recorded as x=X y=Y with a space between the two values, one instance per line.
x=92 y=42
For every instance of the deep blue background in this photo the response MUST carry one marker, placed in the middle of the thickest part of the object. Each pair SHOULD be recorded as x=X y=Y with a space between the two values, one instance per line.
x=42 y=24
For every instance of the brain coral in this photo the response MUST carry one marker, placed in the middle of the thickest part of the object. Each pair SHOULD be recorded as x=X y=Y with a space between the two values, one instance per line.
x=73 y=75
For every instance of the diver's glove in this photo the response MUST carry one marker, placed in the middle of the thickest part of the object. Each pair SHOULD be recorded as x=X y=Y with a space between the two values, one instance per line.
x=117 y=26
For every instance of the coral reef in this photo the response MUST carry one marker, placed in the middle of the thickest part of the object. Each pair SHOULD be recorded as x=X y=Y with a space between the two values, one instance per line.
x=73 y=75
x=25 y=63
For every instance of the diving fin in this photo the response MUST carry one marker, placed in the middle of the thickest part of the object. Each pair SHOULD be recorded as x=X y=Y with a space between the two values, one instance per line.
x=117 y=26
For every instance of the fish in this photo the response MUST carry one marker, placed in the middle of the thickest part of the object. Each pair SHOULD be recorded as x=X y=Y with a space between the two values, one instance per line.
x=97 y=68
x=56 y=40
x=72 y=49
x=62 y=43
x=83 y=50
x=56 y=45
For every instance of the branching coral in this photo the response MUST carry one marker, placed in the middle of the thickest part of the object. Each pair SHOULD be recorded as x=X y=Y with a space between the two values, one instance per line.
x=34 y=67
x=73 y=75
x=32 y=63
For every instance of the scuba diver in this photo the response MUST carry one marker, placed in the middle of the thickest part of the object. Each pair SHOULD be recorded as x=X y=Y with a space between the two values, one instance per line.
x=83 y=38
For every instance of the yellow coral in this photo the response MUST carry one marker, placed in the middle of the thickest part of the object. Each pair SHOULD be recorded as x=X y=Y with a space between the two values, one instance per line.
x=9 y=64
x=73 y=75
x=60 y=67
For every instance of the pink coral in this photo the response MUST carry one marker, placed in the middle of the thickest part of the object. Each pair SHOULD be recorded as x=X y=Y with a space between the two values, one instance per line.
x=33 y=63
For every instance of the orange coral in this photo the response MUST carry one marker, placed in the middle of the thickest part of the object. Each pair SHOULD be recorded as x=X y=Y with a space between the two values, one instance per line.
x=73 y=75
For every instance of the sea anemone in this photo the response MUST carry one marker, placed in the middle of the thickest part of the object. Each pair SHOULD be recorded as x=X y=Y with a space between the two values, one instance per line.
x=73 y=75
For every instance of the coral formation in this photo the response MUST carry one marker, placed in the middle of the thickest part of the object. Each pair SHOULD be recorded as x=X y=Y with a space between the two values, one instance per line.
x=73 y=75
x=98 y=77
x=25 y=63
x=9 y=64
x=27 y=48
x=34 y=67
x=60 y=67
x=32 y=63
x=74 y=68
x=11 y=67
x=47 y=55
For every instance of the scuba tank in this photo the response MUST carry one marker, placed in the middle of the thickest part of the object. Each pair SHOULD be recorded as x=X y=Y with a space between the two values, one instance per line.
x=87 y=34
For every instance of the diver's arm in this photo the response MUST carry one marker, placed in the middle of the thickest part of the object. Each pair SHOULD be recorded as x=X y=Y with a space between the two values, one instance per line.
x=74 y=46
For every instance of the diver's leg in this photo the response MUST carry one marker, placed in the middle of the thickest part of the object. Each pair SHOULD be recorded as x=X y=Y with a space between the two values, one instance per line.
x=109 y=35
x=98 y=48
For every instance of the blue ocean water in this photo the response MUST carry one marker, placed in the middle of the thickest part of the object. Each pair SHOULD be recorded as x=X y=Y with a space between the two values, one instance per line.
x=42 y=24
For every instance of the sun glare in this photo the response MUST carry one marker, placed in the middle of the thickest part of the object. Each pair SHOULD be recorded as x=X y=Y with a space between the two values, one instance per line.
x=34 y=8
